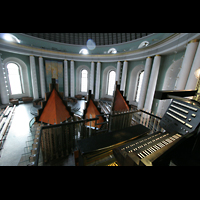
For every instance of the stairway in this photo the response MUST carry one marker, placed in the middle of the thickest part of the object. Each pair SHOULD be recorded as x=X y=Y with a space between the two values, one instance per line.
x=30 y=150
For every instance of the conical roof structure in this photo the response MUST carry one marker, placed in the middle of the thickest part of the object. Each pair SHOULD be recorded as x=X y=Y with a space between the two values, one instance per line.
x=92 y=110
x=54 y=111
x=119 y=101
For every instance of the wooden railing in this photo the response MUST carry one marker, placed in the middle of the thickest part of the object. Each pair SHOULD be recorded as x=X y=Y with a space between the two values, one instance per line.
x=55 y=141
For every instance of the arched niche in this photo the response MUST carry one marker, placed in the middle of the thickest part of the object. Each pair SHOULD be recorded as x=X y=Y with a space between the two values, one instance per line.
x=105 y=81
x=133 y=83
x=78 y=79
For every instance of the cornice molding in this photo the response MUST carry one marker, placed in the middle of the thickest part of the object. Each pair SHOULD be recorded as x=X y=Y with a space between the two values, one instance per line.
x=170 y=44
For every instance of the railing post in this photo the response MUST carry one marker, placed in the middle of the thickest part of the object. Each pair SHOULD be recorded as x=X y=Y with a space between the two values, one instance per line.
x=147 y=122
x=141 y=117
x=144 y=119
x=153 y=124
x=90 y=126
x=110 y=121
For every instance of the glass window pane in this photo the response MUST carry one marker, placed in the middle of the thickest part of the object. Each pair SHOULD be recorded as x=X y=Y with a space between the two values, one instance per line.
x=139 y=86
x=84 y=79
x=111 y=82
x=14 y=78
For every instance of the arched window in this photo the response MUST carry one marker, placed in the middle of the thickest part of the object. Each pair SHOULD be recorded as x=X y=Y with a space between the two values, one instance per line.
x=14 y=78
x=139 y=84
x=84 y=80
x=111 y=82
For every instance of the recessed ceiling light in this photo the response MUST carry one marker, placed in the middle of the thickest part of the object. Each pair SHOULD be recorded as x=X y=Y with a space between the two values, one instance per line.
x=9 y=37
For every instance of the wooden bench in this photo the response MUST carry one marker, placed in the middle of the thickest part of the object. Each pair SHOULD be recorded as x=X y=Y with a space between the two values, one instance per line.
x=27 y=99
x=14 y=101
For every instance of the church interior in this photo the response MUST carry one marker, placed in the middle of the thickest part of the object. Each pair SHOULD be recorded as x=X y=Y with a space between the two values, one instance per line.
x=99 y=99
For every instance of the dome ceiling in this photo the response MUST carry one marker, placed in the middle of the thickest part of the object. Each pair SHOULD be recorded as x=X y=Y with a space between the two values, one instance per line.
x=81 y=38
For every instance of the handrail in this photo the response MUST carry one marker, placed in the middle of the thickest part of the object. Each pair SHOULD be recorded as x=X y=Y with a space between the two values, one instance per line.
x=81 y=121
x=150 y=114
x=31 y=122
x=56 y=125
x=124 y=113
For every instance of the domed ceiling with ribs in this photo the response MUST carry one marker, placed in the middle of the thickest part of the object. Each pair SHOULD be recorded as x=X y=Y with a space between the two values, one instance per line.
x=81 y=38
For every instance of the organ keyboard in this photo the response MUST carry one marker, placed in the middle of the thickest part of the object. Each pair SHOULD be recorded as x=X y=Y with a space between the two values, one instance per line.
x=180 y=121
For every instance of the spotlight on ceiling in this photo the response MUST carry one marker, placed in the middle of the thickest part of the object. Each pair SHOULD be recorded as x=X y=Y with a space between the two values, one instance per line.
x=197 y=73
x=112 y=50
x=83 y=51
x=9 y=37
x=143 y=44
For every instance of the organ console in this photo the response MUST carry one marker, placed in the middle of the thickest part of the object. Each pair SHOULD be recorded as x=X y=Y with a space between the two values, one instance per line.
x=180 y=123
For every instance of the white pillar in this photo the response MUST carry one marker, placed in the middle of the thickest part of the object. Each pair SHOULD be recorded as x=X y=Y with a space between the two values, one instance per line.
x=42 y=78
x=118 y=71
x=152 y=83
x=66 y=90
x=186 y=65
x=145 y=82
x=92 y=78
x=72 y=78
x=34 y=77
x=98 y=76
x=124 y=74
x=3 y=89
x=192 y=81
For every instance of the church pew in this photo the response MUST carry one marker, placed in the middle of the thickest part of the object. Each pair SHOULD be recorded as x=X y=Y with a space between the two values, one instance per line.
x=3 y=113
x=2 y=123
x=6 y=124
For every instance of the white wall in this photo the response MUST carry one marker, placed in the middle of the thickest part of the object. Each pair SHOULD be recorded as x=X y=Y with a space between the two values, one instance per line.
x=169 y=84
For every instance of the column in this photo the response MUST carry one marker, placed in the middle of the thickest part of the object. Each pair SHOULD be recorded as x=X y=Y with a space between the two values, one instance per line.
x=3 y=89
x=186 y=65
x=34 y=77
x=98 y=76
x=124 y=74
x=118 y=71
x=192 y=81
x=66 y=90
x=92 y=78
x=42 y=78
x=152 y=83
x=145 y=82
x=72 y=78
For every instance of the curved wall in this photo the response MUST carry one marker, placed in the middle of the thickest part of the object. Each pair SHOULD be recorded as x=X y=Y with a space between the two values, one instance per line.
x=165 y=48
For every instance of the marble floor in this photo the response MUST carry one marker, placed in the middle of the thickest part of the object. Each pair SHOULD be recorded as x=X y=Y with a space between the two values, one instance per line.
x=17 y=136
